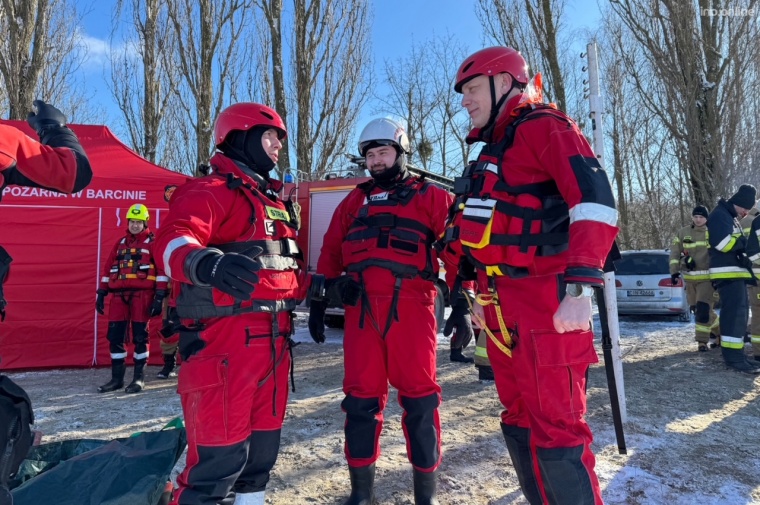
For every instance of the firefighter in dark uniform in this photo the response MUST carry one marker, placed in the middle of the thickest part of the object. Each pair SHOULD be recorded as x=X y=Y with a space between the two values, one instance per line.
x=56 y=162
x=228 y=243
x=138 y=290
x=382 y=235
x=753 y=292
x=730 y=272
x=536 y=218
x=689 y=258
x=751 y=227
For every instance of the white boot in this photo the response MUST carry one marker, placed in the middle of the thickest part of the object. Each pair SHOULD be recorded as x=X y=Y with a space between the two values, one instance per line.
x=249 y=498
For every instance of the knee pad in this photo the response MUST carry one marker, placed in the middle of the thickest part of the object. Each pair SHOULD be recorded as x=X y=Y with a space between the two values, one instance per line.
x=139 y=333
x=117 y=332
x=702 y=312
x=421 y=429
x=361 y=425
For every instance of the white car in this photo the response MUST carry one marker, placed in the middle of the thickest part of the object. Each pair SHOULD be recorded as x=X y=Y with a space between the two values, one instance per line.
x=644 y=286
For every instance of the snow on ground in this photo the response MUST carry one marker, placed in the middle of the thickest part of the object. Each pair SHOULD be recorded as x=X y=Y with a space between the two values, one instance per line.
x=692 y=432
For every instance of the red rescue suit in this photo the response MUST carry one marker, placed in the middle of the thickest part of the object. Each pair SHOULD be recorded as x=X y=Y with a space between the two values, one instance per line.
x=534 y=212
x=131 y=277
x=383 y=239
x=26 y=162
x=235 y=388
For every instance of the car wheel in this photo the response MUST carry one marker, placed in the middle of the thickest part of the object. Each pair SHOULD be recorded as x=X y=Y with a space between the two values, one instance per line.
x=335 y=321
x=685 y=317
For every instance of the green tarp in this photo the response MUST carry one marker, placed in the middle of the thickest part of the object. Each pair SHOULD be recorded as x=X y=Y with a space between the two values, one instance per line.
x=131 y=471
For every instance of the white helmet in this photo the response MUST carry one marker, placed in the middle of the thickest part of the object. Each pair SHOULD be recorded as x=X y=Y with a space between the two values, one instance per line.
x=383 y=132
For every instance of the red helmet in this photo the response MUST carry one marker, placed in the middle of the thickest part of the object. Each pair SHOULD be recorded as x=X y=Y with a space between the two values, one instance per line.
x=244 y=116
x=492 y=61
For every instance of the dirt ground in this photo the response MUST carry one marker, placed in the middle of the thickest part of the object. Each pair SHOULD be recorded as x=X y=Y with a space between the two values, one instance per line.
x=692 y=427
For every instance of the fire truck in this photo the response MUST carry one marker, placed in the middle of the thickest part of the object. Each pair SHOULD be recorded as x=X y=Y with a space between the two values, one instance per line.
x=319 y=199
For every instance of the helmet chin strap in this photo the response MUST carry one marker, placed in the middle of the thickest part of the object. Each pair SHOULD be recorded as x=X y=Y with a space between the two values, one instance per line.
x=388 y=177
x=487 y=129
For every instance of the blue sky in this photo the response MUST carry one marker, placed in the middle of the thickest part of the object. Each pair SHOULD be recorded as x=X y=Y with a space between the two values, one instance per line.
x=396 y=25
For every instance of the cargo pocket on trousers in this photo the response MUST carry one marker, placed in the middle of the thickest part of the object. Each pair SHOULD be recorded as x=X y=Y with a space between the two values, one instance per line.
x=202 y=385
x=562 y=360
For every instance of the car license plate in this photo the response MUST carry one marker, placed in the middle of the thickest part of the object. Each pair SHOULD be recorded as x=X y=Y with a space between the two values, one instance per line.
x=640 y=292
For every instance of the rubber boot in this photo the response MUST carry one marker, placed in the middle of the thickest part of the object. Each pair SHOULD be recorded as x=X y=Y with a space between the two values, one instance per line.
x=458 y=357
x=117 y=377
x=485 y=373
x=362 y=485
x=425 y=485
x=737 y=360
x=566 y=480
x=518 y=445
x=138 y=380
x=168 y=369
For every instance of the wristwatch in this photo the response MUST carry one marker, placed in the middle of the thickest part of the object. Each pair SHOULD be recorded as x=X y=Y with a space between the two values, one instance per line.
x=579 y=290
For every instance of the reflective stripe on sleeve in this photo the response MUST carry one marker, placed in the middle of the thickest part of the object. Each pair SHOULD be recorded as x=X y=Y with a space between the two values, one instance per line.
x=172 y=246
x=594 y=212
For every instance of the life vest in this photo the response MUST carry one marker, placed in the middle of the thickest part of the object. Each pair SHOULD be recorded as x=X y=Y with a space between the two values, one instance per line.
x=133 y=266
x=386 y=233
x=273 y=230
x=502 y=228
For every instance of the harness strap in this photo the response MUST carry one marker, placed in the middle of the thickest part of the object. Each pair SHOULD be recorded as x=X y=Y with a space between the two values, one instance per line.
x=493 y=299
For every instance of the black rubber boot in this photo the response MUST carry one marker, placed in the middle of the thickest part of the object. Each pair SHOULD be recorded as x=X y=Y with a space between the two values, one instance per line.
x=425 y=485
x=518 y=445
x=117 y=377
x=362 y=485
x=458 y=357
x=138 y=380
x=485 y=373
x=168 y=369
x=737 y=360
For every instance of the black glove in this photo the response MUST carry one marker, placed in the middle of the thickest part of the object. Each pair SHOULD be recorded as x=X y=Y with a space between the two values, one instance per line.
x=744 y=260
x=461 y=320
x=674 y=278
x=158 y=304
x=46 y=117
x=190 y=342
x=231 y=273
x=100 y=302
x=317 y=321
x=690 y=263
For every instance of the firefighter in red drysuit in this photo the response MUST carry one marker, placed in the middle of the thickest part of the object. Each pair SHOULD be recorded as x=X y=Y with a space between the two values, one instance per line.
x=56 y=162
x=229 y=242
x=536 y=217
x=382 y=234
x=138 y=289
x=59 y=163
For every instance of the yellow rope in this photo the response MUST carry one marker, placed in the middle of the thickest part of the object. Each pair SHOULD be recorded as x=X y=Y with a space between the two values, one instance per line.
x=492 y=299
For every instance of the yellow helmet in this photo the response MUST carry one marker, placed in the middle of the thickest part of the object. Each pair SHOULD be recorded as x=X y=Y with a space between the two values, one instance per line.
x=138 y=212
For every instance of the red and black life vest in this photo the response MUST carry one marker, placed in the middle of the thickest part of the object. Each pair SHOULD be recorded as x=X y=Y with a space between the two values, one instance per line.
x=273 y=229
x=502 y=228
x=387 y=233
x=133 y=266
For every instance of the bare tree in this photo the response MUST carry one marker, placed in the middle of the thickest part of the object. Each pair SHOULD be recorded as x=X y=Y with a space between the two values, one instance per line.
x=41 y=50
x=143 y=80
x=330 y=48
x=412 y=97
x=692 y=76
x=208 y=35
x=533 y=28
x=272 y=10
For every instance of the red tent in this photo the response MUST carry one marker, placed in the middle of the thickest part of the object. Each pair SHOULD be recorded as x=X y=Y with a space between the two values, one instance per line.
x=58 y=243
